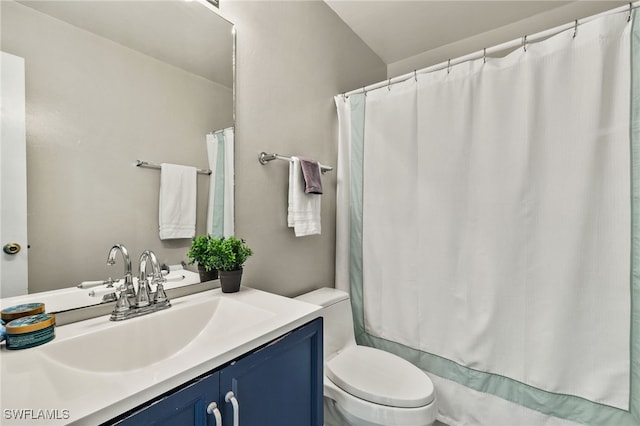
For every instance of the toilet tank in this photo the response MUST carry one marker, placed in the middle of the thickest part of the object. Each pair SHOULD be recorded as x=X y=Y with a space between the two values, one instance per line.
x=338 y=320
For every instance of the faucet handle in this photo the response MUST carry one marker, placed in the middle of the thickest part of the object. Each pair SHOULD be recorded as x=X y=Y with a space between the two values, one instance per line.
x=159 y=278
x=161 y=296
x=123 y=304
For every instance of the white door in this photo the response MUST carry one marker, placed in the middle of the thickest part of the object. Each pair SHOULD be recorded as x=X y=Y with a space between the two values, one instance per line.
x=13 y=178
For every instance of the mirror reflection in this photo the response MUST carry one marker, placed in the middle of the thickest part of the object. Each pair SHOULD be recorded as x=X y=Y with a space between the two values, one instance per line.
x=108 y=83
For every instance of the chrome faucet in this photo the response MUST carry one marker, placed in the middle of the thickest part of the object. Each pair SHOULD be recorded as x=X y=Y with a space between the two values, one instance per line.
x=143 y=303
x=128 y=276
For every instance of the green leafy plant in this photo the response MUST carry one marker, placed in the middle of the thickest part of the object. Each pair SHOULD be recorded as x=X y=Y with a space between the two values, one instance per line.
x=200 y=252
x=228 y=254
x=223 y=254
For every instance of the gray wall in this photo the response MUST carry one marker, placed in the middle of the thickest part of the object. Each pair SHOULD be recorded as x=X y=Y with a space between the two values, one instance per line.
x=93 y=108
x=293 y=57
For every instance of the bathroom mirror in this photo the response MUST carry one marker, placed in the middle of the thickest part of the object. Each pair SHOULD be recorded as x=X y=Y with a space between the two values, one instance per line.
x=108 y=83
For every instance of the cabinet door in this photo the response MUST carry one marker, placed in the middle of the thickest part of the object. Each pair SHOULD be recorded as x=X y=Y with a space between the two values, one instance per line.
x=184 y=407
x=279 y=384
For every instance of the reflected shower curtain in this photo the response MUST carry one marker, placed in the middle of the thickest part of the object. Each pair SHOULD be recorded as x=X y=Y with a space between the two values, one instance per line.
x=220 y=150
x=484 y=228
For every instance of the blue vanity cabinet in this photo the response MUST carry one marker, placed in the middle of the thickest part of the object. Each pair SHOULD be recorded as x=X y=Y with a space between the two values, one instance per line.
x=279 y=384
x=186 y=406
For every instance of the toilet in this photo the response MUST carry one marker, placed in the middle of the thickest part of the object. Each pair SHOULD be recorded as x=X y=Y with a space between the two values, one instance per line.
x=365 y=386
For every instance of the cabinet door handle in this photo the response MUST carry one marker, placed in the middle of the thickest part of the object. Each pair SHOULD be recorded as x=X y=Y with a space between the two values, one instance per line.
x=213 y=409
x=230 y=397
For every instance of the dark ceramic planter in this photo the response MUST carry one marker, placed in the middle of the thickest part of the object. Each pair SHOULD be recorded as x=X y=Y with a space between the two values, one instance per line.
x=207 y=275
x=230 y=280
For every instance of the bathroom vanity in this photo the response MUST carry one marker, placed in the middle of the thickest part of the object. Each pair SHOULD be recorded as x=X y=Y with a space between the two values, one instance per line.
x=274 y=385
x=175 y=366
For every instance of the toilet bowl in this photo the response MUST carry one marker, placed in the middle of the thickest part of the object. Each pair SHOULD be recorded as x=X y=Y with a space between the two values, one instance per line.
x=366 y=386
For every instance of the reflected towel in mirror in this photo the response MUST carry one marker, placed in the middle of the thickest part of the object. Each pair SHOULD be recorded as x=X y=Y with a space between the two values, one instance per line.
x=177 y=210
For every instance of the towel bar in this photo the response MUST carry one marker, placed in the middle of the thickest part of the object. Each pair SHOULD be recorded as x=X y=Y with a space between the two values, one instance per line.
x=150 y=165
x=264 y=158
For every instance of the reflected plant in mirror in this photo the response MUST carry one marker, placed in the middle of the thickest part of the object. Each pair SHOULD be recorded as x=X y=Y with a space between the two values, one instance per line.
x=107 y=83
x=200 y=253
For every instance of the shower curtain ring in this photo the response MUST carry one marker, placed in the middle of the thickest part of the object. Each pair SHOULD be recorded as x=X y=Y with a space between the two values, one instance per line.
x=448 y=66
x=575 y=29
x=524 y=43
x=630 y=11
x=389 y=85
x=484 y=55
x=415 y=75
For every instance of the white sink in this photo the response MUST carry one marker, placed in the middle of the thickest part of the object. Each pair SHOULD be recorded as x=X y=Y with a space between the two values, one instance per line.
x=97 y=369
x=140 y=342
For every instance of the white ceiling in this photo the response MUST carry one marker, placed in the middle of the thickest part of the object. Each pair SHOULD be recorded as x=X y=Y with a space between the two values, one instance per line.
x=185 y=34
x=397 y=30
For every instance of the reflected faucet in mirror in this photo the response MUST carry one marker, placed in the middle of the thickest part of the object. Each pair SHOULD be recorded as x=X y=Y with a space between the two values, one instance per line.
x=144 y=289
x=128 y=275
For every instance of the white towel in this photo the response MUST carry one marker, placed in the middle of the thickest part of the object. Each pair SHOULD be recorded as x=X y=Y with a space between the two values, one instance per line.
x=304 y=209
x=177 y=212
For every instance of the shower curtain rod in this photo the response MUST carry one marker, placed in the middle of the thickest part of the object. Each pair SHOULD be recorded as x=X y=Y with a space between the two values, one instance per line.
x=523 y=41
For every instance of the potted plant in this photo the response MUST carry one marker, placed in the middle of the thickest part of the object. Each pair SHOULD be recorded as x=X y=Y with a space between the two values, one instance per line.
x=228 y=256
x=200 y=253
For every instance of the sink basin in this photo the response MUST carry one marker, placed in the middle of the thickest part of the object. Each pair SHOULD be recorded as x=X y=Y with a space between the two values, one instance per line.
x=110 y=347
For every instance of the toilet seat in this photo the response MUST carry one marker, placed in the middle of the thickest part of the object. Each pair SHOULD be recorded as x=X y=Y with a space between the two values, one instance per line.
x=380 y=377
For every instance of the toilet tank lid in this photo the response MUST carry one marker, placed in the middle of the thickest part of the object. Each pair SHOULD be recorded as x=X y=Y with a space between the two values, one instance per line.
x=323 y=296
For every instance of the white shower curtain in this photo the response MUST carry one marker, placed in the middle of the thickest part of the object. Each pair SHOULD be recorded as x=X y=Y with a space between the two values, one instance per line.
x=220 y=150
x=484 y=222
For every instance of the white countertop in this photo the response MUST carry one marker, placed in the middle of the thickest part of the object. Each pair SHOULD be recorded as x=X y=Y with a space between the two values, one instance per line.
x=66 y=382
